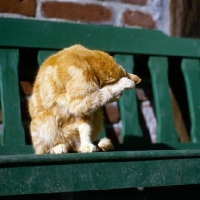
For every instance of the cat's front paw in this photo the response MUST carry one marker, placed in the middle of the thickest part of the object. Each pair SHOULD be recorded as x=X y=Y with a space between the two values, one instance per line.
x=118 y=88
x=126 y=83
x=88 y=148
x=58 y=149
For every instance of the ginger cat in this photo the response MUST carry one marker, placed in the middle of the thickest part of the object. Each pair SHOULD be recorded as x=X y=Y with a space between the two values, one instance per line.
x=68 y=94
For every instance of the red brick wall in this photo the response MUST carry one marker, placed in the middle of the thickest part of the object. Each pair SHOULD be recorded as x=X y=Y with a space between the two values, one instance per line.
x=22 y=7
x=140 y=13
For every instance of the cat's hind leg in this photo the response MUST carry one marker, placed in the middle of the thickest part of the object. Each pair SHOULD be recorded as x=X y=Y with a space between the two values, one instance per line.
x=44 y=132
x=105 y=144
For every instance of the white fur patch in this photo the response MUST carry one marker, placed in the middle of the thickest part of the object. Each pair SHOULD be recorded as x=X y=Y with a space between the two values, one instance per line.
x=115 y=91
x=58 y=149
x=126 y=83
x=85 y=133
x=85 y=138
x=74 y=71
x=87 y=148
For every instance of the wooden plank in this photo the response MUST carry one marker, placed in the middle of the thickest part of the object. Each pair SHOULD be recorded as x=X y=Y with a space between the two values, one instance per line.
x=22 y=174
x=13 y=132
x=73 y=158
x=191 y=69
x=54 y=35
x=132 y=146
x=156 y=146
x=131 y=132
x=166 y=131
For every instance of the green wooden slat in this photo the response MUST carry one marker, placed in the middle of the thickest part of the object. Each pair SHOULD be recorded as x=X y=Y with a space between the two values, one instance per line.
x=191 y=72
x=22 y=174
x=102 y=134
x=42 y=55
x=54 y=35
x=131 y=132
x=13 y=132
x=166 y=131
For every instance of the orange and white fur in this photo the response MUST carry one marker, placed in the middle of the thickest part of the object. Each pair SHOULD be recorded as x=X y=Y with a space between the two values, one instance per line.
x=68 y=94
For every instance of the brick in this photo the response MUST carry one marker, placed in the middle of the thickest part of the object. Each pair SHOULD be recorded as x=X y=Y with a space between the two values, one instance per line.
x=117 y=127
x=112 y=112
x=22 y=7
x=137 y=18
x=137 y=2
x=26 y=87
x=113 y=131
x=76 y=12
x=141 y=94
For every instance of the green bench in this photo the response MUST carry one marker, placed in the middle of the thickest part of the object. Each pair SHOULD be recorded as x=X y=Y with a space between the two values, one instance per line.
x=133 y=163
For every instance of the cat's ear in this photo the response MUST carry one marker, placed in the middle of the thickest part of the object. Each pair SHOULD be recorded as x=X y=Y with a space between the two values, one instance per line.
x=134 y=78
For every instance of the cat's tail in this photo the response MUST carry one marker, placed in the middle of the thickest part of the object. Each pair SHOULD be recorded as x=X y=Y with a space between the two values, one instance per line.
x=105 y=144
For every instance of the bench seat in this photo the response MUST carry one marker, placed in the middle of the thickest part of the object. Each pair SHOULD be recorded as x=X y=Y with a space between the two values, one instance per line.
x=134 y=163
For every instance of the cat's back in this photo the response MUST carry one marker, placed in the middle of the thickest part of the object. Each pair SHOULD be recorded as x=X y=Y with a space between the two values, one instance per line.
x=62 y=73
x=59 y=64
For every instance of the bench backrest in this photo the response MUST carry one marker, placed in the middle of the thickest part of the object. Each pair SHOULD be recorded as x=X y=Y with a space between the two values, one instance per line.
x=124 y=44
